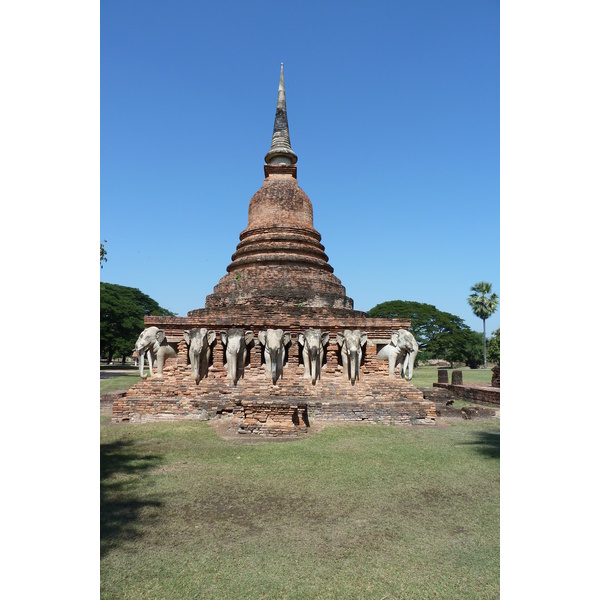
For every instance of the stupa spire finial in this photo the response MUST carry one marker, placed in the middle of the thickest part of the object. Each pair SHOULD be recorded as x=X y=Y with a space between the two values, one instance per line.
x=281 y=151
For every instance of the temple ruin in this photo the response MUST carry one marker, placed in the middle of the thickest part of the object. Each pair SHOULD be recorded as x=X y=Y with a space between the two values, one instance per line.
x=244 y=356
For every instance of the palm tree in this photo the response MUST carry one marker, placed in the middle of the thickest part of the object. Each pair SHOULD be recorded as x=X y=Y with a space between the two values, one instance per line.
x=483 y=307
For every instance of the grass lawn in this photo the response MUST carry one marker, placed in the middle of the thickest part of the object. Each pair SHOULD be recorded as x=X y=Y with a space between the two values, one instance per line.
x=353 y=511
x=119 y=382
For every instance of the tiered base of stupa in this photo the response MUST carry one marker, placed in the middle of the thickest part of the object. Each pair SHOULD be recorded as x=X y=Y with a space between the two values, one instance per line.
x=257 y=406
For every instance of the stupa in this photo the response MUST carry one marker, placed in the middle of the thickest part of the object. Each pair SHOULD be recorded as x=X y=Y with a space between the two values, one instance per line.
x=278 y=294
x=280 y=260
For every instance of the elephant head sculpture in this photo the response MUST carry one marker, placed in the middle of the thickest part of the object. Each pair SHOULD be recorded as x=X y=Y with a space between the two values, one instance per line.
x=153 y=341
x=351 y=343
x=313 y=352
x=199 y=341
x=402 y=350
x=409 y=357
x=236 y=342
x=274 y=342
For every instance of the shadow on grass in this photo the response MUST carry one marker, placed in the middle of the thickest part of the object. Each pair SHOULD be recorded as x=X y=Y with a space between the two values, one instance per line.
x=122 y=504
x=486 y=443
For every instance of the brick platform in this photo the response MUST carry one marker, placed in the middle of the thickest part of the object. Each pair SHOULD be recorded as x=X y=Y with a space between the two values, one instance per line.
x=475 y=392
x=374 y=398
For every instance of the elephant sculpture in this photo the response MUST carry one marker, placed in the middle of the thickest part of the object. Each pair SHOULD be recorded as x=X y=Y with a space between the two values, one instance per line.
x=411 y=357
x=153 y=342
x=274 y=342
x=402 y=350
x=199 y=341
x=236 y=342
x=351 y=343
x=313 y=352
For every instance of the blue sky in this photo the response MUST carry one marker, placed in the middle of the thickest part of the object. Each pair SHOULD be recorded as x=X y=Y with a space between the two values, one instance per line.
x=394 y=113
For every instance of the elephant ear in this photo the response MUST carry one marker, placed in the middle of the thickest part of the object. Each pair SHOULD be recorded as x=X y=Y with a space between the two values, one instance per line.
x=394 y=339
x=287 y=338
x=324 y=338
x=301 y=339
x=160 y=336
x=363 y=339
x=262 y=337
x=186 y=337
x=223 y=336
x=248 y=336
x=211 y=336
x=340 y=339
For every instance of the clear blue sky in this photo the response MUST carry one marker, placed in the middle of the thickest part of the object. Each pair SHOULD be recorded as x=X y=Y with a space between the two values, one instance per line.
x=394 y=113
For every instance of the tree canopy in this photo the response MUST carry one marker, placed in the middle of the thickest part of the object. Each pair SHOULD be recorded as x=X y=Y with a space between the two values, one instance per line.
x=494 y=347
x=439 y=334
x=122 y=312
x=483 y=306
x=103 y=254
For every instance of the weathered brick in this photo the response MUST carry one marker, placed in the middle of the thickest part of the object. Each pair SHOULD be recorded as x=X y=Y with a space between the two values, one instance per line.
x=279 y=278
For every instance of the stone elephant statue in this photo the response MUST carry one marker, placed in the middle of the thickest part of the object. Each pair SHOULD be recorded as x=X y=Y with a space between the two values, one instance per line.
x=153 y=342
x=313 y=352
x=274 y=342
x=199 y=341
x=236 y=342
x=402 y=350
x=351 y=343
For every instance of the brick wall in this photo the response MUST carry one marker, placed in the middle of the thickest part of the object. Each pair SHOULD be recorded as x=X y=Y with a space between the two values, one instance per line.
x=479 y=393
x=374 y=397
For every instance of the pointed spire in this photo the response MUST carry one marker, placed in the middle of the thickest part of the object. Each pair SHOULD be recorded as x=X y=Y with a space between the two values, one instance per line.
x=281 y=151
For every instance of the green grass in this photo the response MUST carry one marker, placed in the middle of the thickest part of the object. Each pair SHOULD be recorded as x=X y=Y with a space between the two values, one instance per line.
x=119 y=382
x=427 y=376
x=357 y=511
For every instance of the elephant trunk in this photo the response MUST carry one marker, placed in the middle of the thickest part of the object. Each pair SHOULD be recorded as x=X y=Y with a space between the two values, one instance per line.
x=411 y=361
x=353 y=366
x=274 y=363
x=141 y=355
x=314 y=365
x=232 y=360
x=196 y=367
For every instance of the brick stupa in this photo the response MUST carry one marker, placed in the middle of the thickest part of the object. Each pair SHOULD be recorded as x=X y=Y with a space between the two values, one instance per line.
x=280 y=260
x=279 y=278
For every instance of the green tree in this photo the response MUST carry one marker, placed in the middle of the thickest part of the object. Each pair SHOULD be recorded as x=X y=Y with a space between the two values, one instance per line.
x=483 y=307
x=494 y=346
x=103 y=254
x=473 y=349
x=439 y=334
x=122 y=312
